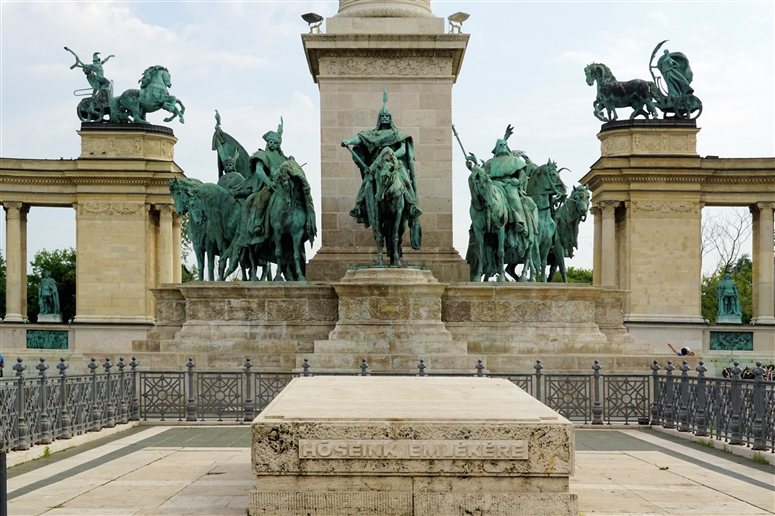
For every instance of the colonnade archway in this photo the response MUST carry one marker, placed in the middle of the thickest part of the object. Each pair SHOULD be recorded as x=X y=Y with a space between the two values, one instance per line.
x=648 y=191
x=127 y=231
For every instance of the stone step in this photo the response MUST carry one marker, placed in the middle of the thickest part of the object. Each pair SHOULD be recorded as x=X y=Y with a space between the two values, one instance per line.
x=385 y=362
x=421 y=347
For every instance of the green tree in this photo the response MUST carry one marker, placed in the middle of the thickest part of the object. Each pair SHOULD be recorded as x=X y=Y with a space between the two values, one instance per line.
x=742 y=274
x=186 y=248
x=575 y=275
x=60 y=263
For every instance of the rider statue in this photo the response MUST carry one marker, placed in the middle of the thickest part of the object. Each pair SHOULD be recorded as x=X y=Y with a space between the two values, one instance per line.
x=265 y=164
x=94 y=72
x=728 y=296
x=367 y=147
x=511 y=171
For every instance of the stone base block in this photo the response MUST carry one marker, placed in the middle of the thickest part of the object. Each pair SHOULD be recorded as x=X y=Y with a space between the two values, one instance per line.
x=410 y=446
x=385 y=362
x=57 y=319
x=729 y=319
x=327 y=503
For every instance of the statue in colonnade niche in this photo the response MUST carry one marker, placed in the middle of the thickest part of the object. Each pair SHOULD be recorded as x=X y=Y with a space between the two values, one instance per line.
x=387 y=199
x=728 y=296
x=132 y=105
x=48 y=299
x=671 y=93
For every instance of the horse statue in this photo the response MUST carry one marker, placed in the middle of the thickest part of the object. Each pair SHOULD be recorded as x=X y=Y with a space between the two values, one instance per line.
x=387 y=209
x=566 y=237
x=152 y=96
x=547 y=189
x=216 y=209
x=204 y=248
x=489 y=215
x=612 y=94
x=288 y=218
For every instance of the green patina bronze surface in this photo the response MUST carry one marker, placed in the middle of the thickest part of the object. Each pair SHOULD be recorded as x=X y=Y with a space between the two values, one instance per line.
x=387 y=198
x=47 y=339
x=520 y=215
x=132 y=105
x=48 y=296
x=260 y=212
x=728 y=296
x=671 y=91
x=731 y=341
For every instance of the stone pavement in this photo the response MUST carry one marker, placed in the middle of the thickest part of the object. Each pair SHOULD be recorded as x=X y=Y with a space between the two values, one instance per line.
x=205 y=470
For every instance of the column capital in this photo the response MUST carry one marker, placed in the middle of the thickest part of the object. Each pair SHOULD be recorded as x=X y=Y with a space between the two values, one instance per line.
x=166 y=210
x=607 y=207
x=13 y=209
x=595 y=211
x=764 y=206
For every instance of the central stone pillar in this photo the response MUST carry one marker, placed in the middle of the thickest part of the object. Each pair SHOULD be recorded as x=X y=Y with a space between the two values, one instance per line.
x=15 y=265
x=370 y=46
x=763 y=256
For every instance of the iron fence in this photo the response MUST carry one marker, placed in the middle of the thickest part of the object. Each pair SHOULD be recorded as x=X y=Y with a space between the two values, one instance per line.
x=38 y=408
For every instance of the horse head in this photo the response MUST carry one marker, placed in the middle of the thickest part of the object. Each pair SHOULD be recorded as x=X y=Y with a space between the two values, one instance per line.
x=599 y=72
x=580 y=198
x=180 y=189
x=155 y=75
x=385 y=172
x=196 y=209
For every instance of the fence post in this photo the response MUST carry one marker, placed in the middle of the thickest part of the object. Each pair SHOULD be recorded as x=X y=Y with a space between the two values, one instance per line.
x=65 y=423
x=655 y=402
x=250 y=407
x=668 y=421
x=364 y=367
x=758 y=408
x=122 y=408
x=96 y=413
x=134 y=409
x=421 y=367
x=3 y=480
x=111 y=409
x=683 y=408
x=45 y=421
x=700 y=420
x=191 y=405
x=736 y=431
x=538 y=368
x=21 y=440
x=597 y=410
x=479 y=368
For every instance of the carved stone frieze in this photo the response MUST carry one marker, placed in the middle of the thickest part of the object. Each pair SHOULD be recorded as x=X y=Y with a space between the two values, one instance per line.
x=108 y=208
x=112 y=145
x=665 y=206
x=399 y=66
x=648 y=141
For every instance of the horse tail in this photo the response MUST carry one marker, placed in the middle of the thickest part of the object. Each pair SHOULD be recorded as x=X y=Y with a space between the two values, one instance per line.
x=415 y=234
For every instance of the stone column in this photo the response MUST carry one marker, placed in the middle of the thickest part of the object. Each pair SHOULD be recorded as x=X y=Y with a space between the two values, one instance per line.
x=763 y=268
x=369 y=46
x=176 y=251
x=14 y=262
x=597 y=246
x=608 y=273
x=166 y=247
x=23 y=241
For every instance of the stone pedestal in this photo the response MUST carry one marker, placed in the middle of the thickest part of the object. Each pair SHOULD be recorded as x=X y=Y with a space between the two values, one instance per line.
x=370 y=46
x=52 y=318
x=392 y=318
x=410 y=446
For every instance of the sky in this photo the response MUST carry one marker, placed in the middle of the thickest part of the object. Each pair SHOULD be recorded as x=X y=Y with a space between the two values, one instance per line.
x=523 y=66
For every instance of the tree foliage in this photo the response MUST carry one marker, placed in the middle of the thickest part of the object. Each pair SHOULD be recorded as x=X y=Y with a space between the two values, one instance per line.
x=742 y=274
x=575 y=275
x=61 y=264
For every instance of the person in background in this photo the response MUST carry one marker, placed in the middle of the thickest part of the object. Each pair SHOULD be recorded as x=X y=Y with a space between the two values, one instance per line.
x=2 y=365
x=683 y=353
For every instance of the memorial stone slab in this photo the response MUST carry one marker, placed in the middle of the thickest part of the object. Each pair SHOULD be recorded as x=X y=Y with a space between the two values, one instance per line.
x=410 y=446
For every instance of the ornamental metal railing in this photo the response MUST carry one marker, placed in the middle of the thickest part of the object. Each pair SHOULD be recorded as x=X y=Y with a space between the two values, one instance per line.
x=36 y=409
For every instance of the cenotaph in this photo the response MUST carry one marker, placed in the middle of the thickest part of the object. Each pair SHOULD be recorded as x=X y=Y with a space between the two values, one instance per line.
x=423 y=446
x=370 y=46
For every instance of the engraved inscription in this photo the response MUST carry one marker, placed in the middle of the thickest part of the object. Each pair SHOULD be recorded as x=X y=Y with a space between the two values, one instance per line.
x=406 y=449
